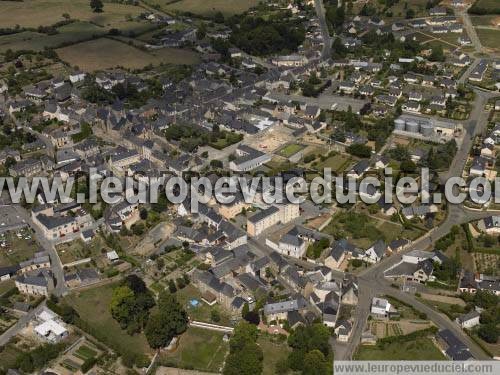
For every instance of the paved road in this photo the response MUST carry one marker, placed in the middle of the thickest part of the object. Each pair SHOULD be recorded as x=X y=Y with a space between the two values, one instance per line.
x=372 y=281
x=325 y=33
x=476 y=43
x=20 y=324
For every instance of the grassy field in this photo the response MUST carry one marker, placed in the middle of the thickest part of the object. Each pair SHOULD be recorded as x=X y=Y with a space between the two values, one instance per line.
x=17 y=250
x=290 y=150
x=337 y=163
x=93 y=306
x=488 y=4
x=273 y=353
x=205 y=7
x=483 y=20
x=489 y=38
x=419 y=349
x=107 y=53
x=361 y=229
x=34 y=13
x=198 y=349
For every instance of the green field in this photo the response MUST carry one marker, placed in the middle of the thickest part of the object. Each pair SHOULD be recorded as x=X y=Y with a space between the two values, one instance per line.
x=483 y=20
x=489 y=38
x=290 y=150
x=273 y=353
x=362 y=230
x=337 y=163
x=93 y=307
x=105 y=53
x=71 y=33
x=205 y=7
x=487 y=4
x=34 y=13
x=415 y=350
x=198 y=349
x=17 y=250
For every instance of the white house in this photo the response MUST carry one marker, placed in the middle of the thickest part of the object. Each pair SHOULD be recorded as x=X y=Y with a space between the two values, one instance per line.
x=381 y=307
x=469 y=320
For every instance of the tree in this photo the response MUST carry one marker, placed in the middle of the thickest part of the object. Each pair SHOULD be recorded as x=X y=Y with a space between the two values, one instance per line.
x=171 y=286
x=143 y=214
x=437 y=53
x=408 y=166
x=489 y=333
x=169 y=321
x=245 y=356
x=215 y=316
x=96 y=5
x=306 y=339
x=315 y=364
x=252 y=317
x=122 y=299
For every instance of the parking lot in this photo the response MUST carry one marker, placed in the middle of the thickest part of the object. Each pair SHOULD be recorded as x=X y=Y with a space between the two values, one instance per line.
x=10 y=219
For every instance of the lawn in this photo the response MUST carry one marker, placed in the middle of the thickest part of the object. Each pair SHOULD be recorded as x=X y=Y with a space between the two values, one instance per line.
x=34 y=13
x=198 y=349
x=16 y=249
x=93 y=307
x=489 y=38
x=105 y=53
x=415 y=350
x=338 y=163
x=274 y=352
x=290 y=150
x=202 y=312
x=205 y=7
x=361 y=229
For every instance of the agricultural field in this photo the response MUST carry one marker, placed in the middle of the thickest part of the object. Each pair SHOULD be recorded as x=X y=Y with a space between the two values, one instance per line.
x=210 y=351
x=489 y=38
x=486 y=263
x=488 y=20
x=414 y=350
x=489 y=5
x=204 y=7
x=105 y=53
x=93 y=306
x=6 y=320
x=34 y=41
x=74 y=359
x=34 y=13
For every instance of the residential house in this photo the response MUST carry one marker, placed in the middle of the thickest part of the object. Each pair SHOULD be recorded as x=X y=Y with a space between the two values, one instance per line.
x=468 y=320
